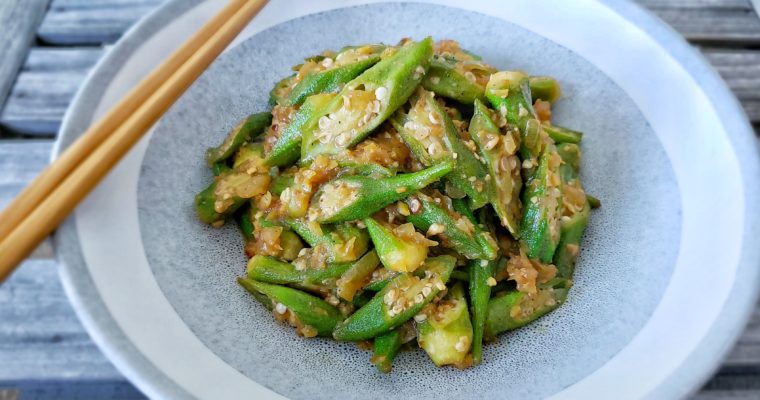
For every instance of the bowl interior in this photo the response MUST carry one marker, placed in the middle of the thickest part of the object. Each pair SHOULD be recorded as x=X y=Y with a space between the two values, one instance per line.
x=627 y=255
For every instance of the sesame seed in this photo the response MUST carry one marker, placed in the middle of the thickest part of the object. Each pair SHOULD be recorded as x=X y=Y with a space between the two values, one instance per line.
x=327 y=62
x=324 y=122
x=419 y=70
x=381 y=93
x=420 y=317
x=483 y=263
x=402 y=208
x=491 y=281
x=527 y=164
x=454 y=156
x=280 y=308
x=472 y=179
x=435 y=229
x=433 y=118
x=415 y=205
x=534 y=200
x=488 y=177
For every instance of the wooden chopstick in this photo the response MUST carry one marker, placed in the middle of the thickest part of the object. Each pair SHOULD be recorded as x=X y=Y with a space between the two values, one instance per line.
x=52 y=208
x=44 y=184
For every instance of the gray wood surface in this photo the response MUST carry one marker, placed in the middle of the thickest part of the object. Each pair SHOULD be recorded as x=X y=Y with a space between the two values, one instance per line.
x=19 y=21
x=45 y=352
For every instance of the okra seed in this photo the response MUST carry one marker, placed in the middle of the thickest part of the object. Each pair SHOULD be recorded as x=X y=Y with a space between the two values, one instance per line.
x=280 y=308
x=420 y=317
x=491 y=281
x=435 y=229
x=381 y=93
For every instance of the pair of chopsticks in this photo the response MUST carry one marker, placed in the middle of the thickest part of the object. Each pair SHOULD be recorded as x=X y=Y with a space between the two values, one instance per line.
x=54 y=194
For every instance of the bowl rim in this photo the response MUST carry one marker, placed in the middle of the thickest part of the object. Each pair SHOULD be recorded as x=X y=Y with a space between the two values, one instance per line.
x=696 y=368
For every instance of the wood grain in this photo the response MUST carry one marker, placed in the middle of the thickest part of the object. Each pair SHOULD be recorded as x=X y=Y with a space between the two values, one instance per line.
x=19 y=21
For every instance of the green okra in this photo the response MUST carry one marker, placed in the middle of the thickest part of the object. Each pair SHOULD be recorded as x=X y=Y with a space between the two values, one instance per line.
x=432 y=137
x=385 y=349
x=280 y=183
x=355 y=197
x=248 y=129
x=271 y=270
x=309 y=310
x=562 y=135
x=593 y=201
x=281 y=89
x=462 y=276
x=231 y=190
x=220 y=167
x=347 y=66
x=544 y=88
x=498 y=152
x=287 y=148
x=516 y=309
x=445 y=80
x=245 y=223
x=446 y=334
x=341 y=242
x=362 y=298
x=398 y=253
x=509 y=93
x=352 y=280
x=366 y=101
x=575 y=211
x=402 y=298
x=480 y=271
x=455 y=231
x=377 y=286
x=542 y=200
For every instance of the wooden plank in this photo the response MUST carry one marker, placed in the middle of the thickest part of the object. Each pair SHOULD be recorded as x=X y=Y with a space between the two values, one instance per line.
x=90 y=22
x=731 y=22
x=45 y=350
x=45 y=87
x=51 y=77
x=18 y=19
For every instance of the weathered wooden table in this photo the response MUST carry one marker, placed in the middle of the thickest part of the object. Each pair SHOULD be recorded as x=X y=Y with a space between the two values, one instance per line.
x=47 y=48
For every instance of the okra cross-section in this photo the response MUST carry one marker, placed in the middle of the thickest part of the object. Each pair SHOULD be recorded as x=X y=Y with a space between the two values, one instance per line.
x=498 y=152
x=356 y=197
x=432 y=137
x=400 y=248
x=402 y=298
x=365 y=102
x=248 y=129
x=445 y=333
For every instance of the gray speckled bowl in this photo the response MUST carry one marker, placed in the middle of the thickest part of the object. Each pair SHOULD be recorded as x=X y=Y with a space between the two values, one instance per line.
x=666 y=148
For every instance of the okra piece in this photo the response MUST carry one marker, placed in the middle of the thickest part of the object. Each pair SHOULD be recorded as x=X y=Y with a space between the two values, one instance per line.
x=287 y=148
x=220 y=168
x=562 y=135
x=247 y=130
x=341 y=242
x=509 y=93
x=365 y=102
x=593 y=201
x=402 y=298
x=481 y=276
x=498 y=152
x=459 y=275
x=352 y=280
x=542 y=200
x=544 y=88
x=347 y=65
x=432 y=137
x=455 y=231
x=230 y=190
x=280 y=183
x=271 y=270
x=517 y=309
x=385 y=349
x=355 y=197
x=281 y=89
x=313 y=316
x=245 y=223
x=446 y=80
x=446 y=332
x=401 y=249
x=575 y=211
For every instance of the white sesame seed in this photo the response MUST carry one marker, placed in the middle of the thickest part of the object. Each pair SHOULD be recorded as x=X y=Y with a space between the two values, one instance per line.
x=420 y=317
x=327 y=62
x=472 y=179
x=435 y=229
x=491 y=281
x=381 y=93
x=454 y=156
x=527 y=164
x=483 y=263
x=324 y=122
x=280 y=308
x=419 y=70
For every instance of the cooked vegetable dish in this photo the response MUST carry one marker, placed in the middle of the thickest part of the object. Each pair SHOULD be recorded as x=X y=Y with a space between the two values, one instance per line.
x=404 y=196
